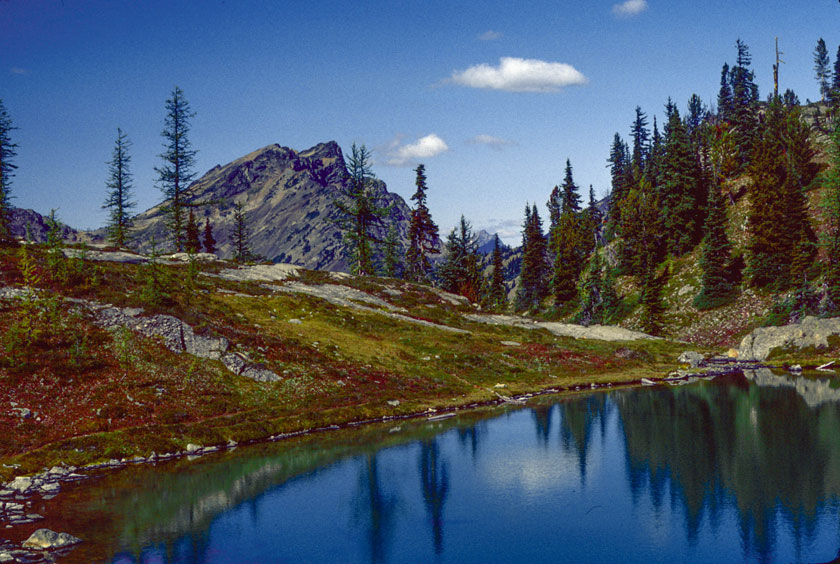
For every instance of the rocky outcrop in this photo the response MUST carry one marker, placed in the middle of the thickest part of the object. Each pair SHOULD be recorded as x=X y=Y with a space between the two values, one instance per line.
x=30 y=224
x=596 y=332
x=47 y=539
x=289 y=201
x=811 y=333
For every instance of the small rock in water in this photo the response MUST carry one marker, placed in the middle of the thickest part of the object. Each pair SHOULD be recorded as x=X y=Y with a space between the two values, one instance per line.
x=796 y=368
x=45 y=538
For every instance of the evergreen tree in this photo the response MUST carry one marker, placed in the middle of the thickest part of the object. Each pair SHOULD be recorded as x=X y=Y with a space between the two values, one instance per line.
x=822 y=68
x=497 y=292
x=641 y=140
x=695 y=117
x=360 y=213
x=834 y=94
x=391 y=260
x=831 y=205
x=682 y=192
x=7 y=171
x=780 y=230
x=422 y=234
x=715 y=255
x=241 y=243
x=192 y=243
x=724 y=101
x=533 y=286
x=790 y=99
x=744 y=116
x=593 y=218
x=118 y=199
x=176 y=174
x=209 y=241
x=621 y=181
x=653 y=307
x=591 y=293
x=570 y=199
x=459 y=272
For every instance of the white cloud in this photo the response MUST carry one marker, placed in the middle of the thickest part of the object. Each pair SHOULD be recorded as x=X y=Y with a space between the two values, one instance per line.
x=18 y=70
x=490 y=35
x=495 y=143
x=629 y=8
x=520 y=75
x=424 y=148
x=509 y=230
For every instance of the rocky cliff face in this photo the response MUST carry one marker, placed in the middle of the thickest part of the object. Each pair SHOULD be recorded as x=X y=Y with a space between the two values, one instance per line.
x=288 y=198
x=29 y=224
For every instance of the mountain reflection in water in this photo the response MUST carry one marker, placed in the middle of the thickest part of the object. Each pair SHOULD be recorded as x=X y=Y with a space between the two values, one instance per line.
x=743 y=468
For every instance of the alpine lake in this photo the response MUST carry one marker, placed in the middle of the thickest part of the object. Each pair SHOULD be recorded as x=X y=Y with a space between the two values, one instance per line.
x=740 y=468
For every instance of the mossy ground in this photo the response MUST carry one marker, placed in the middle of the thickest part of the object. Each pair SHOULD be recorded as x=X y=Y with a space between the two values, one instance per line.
x=96 y=394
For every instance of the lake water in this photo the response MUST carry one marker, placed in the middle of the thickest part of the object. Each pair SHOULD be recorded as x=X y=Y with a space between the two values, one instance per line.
x=737 y=469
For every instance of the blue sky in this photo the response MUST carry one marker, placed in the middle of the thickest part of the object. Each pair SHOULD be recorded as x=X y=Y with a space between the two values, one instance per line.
x=492 y=97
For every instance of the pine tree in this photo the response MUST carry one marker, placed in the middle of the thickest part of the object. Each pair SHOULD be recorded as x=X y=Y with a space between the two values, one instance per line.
x=591 y=293
x=533 y=286
x=653 y=307
x=831 y=205
x=209 y=241
x=175 y=175
x=192 y=243
x=744 y=116
x=497 y=292
x=715 y=255
x=422 y=233
x=822 y=69
x=834 y=94
x=241 y=243
x=118 y=199
x=621 y=182
x=570 y=199
x=392 y=266
x=360 y=212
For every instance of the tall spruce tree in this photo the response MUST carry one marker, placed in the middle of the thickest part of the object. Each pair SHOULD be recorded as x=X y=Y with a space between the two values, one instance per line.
x=744 y=116
x=571 y=242
x=621 y=181
x=533 y=277
x=715 y=254
x=179 y=158
x=392 y=265
x=7 y=171
x=497 y=292
x=422 y=233
x=834 y=94
x=360 y=212
x=682 y=189
x=724 y=100
x=641 y=142
x=822 y=69
x=118 y=199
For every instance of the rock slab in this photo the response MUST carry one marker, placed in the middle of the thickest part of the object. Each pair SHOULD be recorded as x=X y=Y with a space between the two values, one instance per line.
x=47 y=539
x=812 y=332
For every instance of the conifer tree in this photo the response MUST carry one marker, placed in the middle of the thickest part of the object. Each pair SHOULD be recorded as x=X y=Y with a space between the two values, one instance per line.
x=780 y=232
x=7 y=171
x=192 y=243
x=834 y=94
x=422 y=234
x=831 y=205
x=533 y=286
x=641 y=138
x=653 y=307
x=392 y=266
x=620 y=181
x=241 y=243
x=715 y=255
x=497 y=292
x=744 y=116
x=822 y=68
x=360 y=213
x=682 y=190
x=724 y=100
x=179 y=157
x=459 y=272
x=118 y=199
x=209 y=240
x=570 y=199
x=591 y=293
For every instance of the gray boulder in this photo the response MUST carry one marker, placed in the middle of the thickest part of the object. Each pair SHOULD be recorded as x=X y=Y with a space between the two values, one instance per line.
x=691 y=358
x=47 y=539
x=811 y=333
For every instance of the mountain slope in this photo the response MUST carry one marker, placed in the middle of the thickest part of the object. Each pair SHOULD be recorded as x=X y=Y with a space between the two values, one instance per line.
x=289 y=206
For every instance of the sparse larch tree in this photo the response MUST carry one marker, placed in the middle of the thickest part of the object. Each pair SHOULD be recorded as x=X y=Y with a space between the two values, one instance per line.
x=7 y=170
x=422 y=234
x=241 y=243
x=360 y=212
x=118 y=200
x=179 y=157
